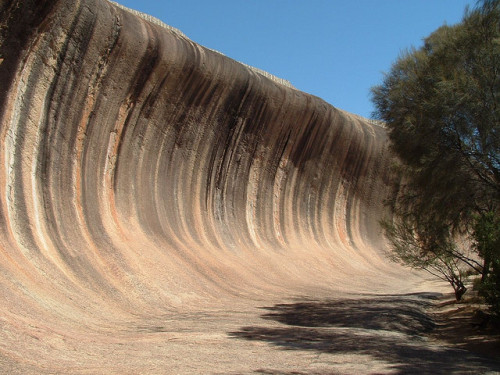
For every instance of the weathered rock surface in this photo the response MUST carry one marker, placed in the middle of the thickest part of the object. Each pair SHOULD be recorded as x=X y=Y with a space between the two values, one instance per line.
x=147 y=182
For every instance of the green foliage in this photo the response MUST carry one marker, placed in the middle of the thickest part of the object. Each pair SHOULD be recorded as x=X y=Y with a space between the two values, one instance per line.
x=421 y=246
x=441 y=107
x=487 y=236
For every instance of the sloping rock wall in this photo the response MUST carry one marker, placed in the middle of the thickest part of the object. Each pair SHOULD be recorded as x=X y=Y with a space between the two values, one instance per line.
x=141 y=172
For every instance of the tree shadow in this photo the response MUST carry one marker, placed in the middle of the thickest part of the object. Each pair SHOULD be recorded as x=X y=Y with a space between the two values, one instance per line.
x=400 y=314
x=390 y=328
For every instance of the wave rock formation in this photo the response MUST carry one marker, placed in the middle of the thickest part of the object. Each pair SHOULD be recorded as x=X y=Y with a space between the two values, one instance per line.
x=148 y=183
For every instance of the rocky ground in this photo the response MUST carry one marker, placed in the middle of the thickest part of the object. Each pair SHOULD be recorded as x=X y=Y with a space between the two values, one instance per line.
x=356 y=334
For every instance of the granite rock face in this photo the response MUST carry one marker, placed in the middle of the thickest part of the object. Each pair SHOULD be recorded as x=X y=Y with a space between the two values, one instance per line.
x=142 y=173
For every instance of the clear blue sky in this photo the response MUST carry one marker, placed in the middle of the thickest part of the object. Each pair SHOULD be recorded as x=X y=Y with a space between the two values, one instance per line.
x=334 y=49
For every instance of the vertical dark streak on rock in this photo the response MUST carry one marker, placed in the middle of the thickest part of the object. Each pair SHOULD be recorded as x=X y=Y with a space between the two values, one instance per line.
x=142 y=74
x=20 y=21
x=356 y=158
x=69 y=62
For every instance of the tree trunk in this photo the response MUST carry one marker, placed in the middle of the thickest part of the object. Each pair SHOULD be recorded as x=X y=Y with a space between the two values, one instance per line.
x=486 y=268
x=460 y=290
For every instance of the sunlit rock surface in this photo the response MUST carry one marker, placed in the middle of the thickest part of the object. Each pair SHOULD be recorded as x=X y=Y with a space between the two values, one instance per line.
x=154 y=192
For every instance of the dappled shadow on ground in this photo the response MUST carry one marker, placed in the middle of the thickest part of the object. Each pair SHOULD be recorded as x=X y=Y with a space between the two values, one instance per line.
x=400 y=314
x=389 y=328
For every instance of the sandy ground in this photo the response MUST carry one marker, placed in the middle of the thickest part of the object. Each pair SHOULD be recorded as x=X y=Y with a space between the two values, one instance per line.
x=466 y=325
